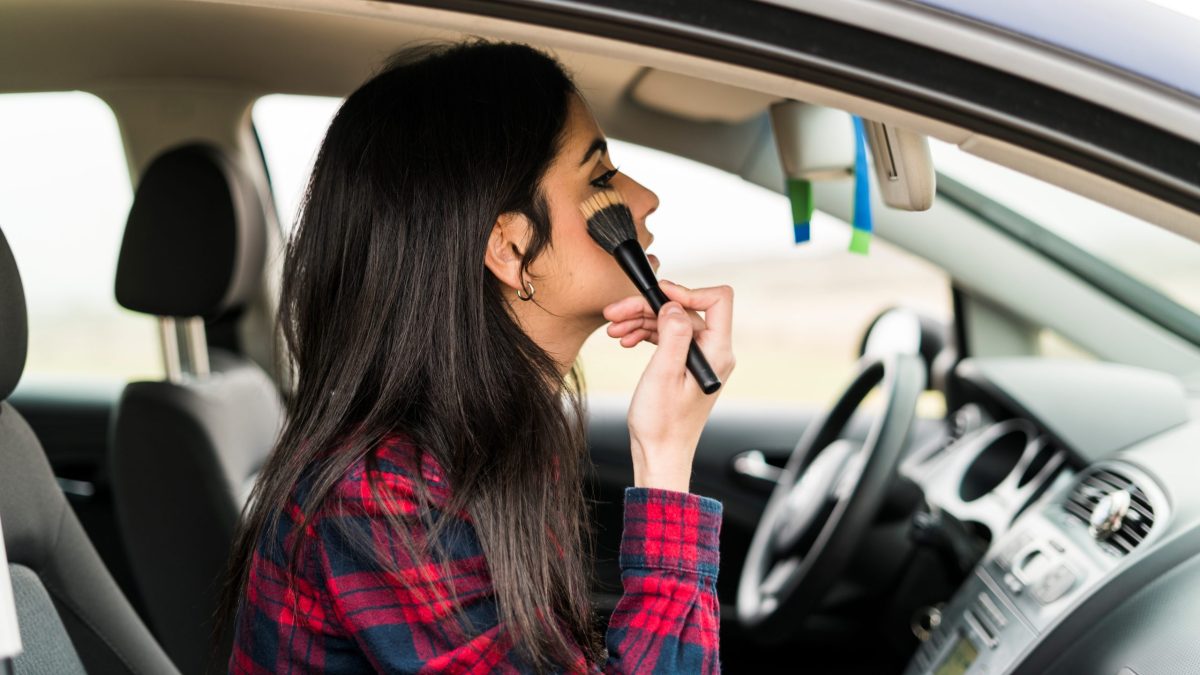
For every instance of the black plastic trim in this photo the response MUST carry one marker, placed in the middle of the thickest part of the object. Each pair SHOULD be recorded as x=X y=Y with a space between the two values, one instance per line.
x=958 y=298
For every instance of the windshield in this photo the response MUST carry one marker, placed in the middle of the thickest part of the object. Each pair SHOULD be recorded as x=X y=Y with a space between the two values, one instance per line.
x=1154 y=270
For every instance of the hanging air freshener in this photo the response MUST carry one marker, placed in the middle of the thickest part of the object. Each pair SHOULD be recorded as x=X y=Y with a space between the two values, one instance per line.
x=799 y=193
x=860 y=235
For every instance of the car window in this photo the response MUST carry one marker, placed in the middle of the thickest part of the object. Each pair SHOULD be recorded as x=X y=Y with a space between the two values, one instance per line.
x=800 y=310
x=65 y=193
x=290 y=129
x=1149 y=268
x=1050 y=343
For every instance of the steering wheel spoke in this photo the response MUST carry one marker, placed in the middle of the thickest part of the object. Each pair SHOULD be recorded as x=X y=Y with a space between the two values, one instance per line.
x=824 y=500
x=777 y=580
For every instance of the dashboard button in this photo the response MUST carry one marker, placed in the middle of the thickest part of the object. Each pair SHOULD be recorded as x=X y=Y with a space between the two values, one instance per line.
x=1054 y=584
x=1014 y=584
x=993 y=611
x=1012 y=548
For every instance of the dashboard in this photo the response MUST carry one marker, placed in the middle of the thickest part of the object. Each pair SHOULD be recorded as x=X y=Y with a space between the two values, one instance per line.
x=1080 y=475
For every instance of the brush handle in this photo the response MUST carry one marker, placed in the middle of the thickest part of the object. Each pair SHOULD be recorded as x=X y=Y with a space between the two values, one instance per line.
x=632 y=258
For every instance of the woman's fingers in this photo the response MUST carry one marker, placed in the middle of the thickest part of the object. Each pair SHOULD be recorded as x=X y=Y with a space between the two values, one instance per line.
x=715 y=301
x=632 y=320
x=619 y=328
x=632 y=331
x=637 y=336
x=650 y=324
x=637 y=308
x=628 y=308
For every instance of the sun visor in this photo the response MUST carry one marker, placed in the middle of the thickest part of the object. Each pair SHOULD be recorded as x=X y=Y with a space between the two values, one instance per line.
x=697 y=99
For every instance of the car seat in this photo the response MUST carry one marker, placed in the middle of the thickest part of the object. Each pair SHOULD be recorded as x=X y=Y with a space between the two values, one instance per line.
x=185 y=450
x=73 y=618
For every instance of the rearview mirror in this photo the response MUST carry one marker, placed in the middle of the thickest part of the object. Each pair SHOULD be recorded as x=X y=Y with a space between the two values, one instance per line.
x=903 y=166
x=816 y=143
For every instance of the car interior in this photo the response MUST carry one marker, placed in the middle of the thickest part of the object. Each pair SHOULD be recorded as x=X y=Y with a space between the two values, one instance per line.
x=996 y=475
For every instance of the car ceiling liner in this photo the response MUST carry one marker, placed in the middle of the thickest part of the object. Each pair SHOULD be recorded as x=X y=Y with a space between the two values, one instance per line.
x=815 y=143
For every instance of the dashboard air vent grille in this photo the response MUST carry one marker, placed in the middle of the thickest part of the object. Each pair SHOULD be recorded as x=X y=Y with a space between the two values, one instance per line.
x=1134 y=524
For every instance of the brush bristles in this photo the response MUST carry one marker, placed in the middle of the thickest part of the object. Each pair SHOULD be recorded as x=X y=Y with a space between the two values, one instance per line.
x=609 y=219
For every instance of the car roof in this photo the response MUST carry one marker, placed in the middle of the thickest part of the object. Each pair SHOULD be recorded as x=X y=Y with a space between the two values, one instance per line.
x=1136 y=36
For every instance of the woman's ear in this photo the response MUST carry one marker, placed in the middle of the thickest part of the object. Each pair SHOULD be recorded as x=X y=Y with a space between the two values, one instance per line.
x=505 y=248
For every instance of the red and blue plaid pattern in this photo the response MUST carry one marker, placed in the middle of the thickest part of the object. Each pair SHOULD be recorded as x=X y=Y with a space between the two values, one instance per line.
x=344 y=614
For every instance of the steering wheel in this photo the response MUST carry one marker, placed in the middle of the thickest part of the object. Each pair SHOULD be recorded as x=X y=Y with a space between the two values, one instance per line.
x=824 y=500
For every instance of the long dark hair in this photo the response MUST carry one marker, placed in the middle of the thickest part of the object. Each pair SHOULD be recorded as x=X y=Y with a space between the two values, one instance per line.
x=393 y=323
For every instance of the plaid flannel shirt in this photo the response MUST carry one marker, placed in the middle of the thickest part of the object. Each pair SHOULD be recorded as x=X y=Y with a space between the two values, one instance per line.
x=343 y=615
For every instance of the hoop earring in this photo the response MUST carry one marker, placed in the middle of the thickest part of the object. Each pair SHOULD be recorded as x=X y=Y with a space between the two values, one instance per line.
x=529 y=295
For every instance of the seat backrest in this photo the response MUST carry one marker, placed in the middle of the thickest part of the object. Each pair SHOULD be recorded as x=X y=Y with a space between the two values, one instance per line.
x=185 y=451
x=59 y=582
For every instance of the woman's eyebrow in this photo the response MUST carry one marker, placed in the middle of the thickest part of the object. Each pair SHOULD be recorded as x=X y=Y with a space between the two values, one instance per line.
x=597 y=144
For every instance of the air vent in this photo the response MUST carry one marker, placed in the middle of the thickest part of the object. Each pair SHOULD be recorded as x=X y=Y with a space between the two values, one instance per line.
x=1120 y=523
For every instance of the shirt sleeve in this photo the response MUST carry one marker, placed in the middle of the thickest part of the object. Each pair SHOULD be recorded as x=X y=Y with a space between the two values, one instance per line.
x=668 y=618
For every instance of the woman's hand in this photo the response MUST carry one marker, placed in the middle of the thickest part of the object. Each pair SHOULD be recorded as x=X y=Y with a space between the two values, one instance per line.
x=669 y=410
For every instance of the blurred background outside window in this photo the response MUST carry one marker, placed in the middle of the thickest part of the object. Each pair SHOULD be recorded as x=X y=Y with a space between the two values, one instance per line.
x=64 y=195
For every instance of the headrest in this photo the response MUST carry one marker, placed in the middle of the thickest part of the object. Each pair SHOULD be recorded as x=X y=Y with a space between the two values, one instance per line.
x=14 y=332
x=195 y=239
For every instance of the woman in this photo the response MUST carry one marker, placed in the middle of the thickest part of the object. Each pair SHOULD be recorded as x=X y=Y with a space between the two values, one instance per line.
x=423 y=507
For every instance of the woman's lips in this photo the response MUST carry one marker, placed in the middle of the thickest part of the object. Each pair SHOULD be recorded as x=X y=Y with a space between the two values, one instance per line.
x=652 y=258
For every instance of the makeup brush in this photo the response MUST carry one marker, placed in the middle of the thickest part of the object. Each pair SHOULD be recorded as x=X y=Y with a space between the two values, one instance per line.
x=610 y=223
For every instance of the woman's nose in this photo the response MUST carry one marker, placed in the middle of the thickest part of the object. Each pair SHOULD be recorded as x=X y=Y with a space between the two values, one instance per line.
x=643 y=201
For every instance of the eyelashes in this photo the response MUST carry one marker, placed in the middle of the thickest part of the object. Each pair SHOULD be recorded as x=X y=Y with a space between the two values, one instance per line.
x=603 y=181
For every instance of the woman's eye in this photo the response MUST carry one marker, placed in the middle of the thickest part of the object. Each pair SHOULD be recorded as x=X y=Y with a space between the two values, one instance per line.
x=603 y=181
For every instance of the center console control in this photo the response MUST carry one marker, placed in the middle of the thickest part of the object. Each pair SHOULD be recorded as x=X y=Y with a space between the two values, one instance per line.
x=1056 y=553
